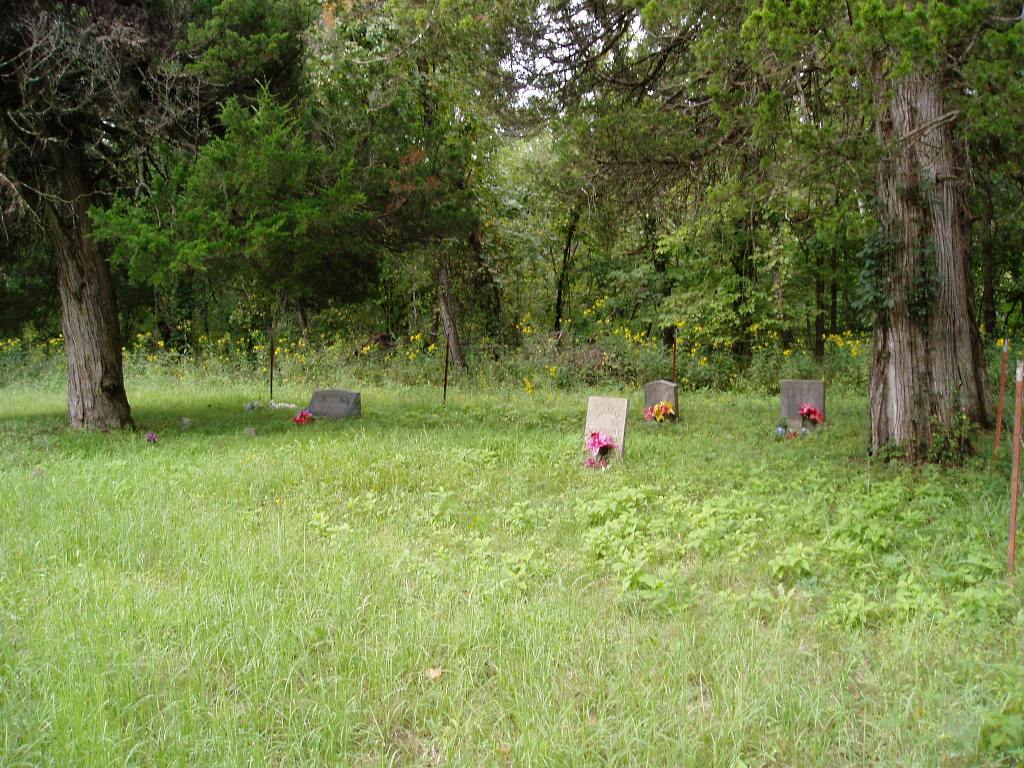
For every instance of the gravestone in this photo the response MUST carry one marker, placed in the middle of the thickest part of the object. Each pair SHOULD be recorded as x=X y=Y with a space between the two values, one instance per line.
x=608 y=415
x=661 y=390
x=186 y=424
x=250 y=431
x=335 y=404
x=795 y=392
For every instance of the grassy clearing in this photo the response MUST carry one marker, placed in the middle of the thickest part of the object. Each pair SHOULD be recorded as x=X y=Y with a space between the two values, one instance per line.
x=435 y=586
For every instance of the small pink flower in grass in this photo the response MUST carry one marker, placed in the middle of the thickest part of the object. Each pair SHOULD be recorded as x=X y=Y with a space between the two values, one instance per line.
x=151 y=437
x=596 y=463
x=303 y=417
x=649 y=413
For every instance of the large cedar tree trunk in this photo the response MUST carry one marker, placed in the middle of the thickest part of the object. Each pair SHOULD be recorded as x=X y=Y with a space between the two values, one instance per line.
x=926 y=365
x=447 y=311
x=89 y=318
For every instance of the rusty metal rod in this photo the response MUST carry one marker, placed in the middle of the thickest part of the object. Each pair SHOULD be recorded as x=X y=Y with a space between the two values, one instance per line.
x=1002 y=397
x=447 y=358
x=675 y=345
x=1015 y=470
x=272 y=351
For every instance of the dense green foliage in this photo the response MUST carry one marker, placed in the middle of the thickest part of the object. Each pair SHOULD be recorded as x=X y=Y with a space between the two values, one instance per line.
x=262 y=211
x=722 y=175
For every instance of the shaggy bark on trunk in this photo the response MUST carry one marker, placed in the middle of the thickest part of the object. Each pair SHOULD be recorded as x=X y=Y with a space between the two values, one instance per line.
x=84 y=92
x=926 y=365
x=447 y=311
x=89 y=318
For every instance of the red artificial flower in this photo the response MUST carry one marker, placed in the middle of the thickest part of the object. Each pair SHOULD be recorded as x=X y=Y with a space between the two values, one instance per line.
x=811 y=413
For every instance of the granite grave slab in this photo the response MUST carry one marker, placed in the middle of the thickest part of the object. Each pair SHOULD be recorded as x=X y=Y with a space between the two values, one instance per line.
x=608 y=415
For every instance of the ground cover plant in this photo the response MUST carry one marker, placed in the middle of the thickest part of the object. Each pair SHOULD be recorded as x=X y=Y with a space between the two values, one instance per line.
x=450 y=586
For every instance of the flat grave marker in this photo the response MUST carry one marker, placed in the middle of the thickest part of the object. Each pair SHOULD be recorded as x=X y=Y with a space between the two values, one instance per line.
x=335 y=404
x=659 y=391
x=608 y=415
x=795 y=392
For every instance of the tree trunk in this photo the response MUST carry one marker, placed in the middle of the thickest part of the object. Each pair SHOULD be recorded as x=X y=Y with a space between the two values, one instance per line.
x=304 y=324
x=447 y=311
x=486 y=284
x=563 y=273
x=926 y=365
x=833 y=310
x=746 y=271
x=819 y=305
x=89 y=318
x=988 y=240
x=988 y=281
x=779 y=297
x=435 y=322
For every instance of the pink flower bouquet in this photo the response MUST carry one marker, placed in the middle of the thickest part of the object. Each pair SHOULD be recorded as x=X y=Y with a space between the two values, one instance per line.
x=600 y=447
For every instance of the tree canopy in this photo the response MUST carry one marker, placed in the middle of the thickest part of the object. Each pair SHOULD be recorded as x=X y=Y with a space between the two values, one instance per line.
x=750 y=175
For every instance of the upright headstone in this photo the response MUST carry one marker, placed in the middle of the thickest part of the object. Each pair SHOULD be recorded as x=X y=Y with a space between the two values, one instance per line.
x=795 y=392
x=608 y=415
x=661 y=391
x=335 y=404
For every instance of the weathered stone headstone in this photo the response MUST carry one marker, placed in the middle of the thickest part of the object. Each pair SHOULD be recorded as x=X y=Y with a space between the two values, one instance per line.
x=186 y=424
x=250 y=431
x=335 y=404
x=608 y=415
x=795 y=392
x=661 y=390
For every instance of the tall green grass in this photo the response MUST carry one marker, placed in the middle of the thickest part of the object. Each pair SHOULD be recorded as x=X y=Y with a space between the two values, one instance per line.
x=447 y=585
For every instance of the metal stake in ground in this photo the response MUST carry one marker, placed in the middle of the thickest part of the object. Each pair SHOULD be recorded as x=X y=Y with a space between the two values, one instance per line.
x=1002 y=397
x=272 y=350
x=675 y=344
x=447 y=357
x=1015 y=469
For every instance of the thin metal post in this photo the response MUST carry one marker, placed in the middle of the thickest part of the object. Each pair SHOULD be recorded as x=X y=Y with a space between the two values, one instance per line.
x=272 y=350
x=1002 y=397
x=447 y=358
x=1015 y=470
x=675 y=345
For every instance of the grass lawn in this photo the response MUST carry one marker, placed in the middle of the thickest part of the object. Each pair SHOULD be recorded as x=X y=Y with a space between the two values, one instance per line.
x=449 y=586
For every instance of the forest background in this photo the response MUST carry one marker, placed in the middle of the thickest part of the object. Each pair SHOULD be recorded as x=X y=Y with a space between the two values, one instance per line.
x=556 y=193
